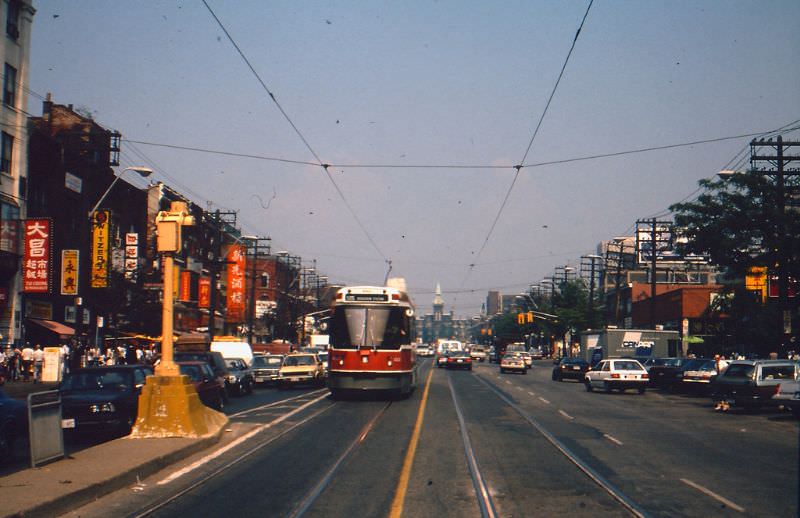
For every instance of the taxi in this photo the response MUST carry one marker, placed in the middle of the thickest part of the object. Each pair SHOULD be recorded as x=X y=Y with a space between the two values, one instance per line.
x=301 y=368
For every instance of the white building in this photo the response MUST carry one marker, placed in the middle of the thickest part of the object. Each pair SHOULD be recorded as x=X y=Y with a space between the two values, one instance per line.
x=16 y=18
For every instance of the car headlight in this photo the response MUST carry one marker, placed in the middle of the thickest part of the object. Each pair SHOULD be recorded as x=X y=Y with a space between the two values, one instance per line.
x=232 y=378
x=105 y=407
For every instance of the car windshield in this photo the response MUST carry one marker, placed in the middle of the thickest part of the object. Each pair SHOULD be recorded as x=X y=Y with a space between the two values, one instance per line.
x=295 y=361
x=698 y=364
x=98 y=380
x=235 y=364
x=627 y=366
x=194 y=372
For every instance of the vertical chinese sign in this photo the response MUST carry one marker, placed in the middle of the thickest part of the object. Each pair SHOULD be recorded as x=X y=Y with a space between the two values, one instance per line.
x=186 y=286
x=204 y=292
x=69 y=272
x=36 y=261
x=236 y=271
x=131 y=255
x=100 y=231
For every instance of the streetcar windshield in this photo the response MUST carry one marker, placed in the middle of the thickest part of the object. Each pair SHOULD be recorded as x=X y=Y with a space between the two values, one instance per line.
x=354 y=327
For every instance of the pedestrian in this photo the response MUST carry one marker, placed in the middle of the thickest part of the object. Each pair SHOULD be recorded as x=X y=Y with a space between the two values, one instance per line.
x=27 y=361
x=14 y=363
x=38 y=363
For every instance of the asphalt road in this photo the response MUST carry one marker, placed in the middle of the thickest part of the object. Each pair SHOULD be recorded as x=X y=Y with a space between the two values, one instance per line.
x=528 y=437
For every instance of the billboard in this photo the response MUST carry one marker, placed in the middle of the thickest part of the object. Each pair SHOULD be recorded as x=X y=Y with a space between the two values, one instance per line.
x=37 y=260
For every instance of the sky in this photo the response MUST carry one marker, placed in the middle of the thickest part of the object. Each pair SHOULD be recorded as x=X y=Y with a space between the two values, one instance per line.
x=455 y=83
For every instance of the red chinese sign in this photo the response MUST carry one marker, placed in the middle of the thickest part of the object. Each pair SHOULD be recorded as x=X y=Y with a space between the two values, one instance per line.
x=186 y=286
x=36 y=260
x=204 y=292
x=236 y=270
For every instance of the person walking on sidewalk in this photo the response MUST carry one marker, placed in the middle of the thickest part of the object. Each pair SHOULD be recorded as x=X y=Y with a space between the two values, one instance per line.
x=38 y=363
x=27 y=362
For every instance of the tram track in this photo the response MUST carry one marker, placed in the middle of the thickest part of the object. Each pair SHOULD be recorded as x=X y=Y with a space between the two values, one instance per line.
x=200 y=481
x=626 y=502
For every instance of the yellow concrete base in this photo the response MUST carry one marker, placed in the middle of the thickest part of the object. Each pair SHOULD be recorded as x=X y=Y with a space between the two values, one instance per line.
x=170 y=407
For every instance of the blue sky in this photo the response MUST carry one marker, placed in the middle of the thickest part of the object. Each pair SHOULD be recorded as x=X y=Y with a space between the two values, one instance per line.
x=427 y=83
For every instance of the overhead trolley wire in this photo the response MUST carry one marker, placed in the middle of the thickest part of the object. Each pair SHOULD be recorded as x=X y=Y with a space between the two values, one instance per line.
x=296 y=130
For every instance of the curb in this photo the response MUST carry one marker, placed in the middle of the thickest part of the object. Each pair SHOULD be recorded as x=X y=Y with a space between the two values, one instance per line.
x=82 y=496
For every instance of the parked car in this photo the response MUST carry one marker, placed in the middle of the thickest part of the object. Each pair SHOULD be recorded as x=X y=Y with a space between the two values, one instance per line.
x=788 y=395
x=102 y=399
x=265 y=367
x=241 y=378
x=208 y=385
x=214 y=359
x=459 y=360
x=511 y=363
x=478 y=353
x=664 y=372
x=13 y=423
x=570 y=368
x=441 y=360
x=752 y=383
x=300 y=368
x=619 y=374
x=696 y=375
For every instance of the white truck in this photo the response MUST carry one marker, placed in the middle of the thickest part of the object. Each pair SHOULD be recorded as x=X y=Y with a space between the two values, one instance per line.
x=788 y=395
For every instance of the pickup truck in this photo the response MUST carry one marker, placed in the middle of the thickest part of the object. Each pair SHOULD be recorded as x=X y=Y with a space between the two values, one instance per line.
x=788 y=395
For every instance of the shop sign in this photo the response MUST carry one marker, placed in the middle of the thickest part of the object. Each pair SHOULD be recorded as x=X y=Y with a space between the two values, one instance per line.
x=69 y=271
x=204 y=292
x=8 y=235
x=100 y=232
x=37 y=256
x=236 y=271
x=186 y=286
x=131 y=255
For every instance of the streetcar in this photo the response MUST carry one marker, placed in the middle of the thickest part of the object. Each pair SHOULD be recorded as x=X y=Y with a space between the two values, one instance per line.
x=371 y=332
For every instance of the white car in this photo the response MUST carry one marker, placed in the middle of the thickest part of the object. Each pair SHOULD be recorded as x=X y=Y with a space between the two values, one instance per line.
x=618 y=374
x=424 y=350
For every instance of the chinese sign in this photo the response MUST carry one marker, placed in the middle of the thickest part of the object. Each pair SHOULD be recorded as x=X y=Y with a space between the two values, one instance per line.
x=204 y=292
x=69 y=272
x=186 y=286
x=236 y=269
x=131 y=255
x=36 y=261
x=100 y=231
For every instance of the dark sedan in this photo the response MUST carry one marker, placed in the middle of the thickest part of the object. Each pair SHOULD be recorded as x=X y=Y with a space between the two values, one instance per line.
x=210 y=388
x=13 y=423
x=570 y=368
x=665 y=372
x=441 y=360
x=459 y=360
x=102 y=399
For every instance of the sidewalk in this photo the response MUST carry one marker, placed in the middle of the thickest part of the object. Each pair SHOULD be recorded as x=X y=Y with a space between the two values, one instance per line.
x=88 y=474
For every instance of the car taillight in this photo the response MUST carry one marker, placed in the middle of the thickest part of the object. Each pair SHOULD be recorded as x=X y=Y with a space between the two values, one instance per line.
x=645 y=376
x=777 y=389
x=615 y=375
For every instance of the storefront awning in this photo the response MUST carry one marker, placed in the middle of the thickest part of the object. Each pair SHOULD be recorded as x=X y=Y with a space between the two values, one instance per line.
x=56 y=327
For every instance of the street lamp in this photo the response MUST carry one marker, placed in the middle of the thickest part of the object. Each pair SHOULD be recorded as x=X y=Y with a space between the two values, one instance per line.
x=144 y=172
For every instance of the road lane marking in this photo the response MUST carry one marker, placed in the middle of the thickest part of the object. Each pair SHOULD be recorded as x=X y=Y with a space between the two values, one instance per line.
x=507 y=382
x=713 y=495
x=531 y=393
x=566 y=415
x=275 y=403
x=543 y=400
x=193 y=466
x=613 y=439
x=405 y=473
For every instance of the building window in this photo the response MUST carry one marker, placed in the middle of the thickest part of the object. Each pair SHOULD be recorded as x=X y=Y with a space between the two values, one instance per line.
x=12 y=19
x=265 y=280
x=6 y=149
x=9 y=85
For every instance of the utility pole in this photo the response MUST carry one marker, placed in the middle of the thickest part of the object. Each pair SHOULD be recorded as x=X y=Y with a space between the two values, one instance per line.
x=778 y=161
x=659 y=233
x=216 y=262
x=591 y=265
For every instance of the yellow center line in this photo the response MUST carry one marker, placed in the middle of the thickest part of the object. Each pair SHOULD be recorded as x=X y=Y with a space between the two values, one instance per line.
x=405 y=474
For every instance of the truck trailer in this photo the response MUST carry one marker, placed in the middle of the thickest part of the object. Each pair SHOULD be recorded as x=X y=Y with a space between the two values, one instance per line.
x=641 y=344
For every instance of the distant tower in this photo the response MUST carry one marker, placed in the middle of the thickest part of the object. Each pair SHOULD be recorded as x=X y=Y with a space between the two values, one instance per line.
x=438 y=304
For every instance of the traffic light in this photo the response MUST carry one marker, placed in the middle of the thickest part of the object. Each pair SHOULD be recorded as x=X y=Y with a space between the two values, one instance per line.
x=520 y=318
x=530 y=317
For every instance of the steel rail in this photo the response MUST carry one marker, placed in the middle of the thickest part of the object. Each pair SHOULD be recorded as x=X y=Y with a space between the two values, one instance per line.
x=631 y=506
x=482 y=492
x=312 y=495
x=202 y=480
x=276 y=403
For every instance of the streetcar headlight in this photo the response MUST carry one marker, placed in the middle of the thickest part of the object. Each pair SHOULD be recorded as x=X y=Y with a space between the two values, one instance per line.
x=341 y=362
x=365 y=359
x=389 y=363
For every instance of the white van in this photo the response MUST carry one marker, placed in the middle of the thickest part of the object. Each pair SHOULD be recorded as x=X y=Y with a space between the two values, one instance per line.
x=234 y=350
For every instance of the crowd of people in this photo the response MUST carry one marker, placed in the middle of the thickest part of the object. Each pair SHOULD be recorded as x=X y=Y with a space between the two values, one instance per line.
x=26 y=363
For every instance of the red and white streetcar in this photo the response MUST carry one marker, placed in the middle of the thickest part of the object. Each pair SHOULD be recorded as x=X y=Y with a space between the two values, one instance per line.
x=371 y=332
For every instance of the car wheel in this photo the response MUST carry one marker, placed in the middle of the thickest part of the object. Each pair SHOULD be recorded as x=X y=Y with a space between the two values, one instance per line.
x=607 y=387
x=502 y=370
x=524 y=371
x=588 y=385
x=796 y=411
x=641 y=390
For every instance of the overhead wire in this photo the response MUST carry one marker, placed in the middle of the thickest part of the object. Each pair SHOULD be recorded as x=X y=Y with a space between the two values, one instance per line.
x=296 y=130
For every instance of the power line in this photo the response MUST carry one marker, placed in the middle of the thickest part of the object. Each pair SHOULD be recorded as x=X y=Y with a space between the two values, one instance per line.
x=296 y=130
